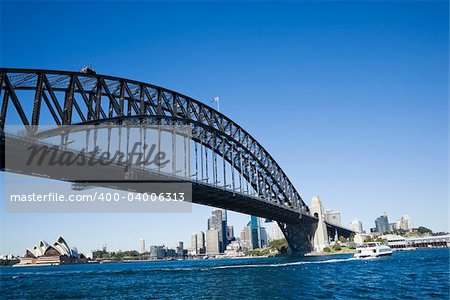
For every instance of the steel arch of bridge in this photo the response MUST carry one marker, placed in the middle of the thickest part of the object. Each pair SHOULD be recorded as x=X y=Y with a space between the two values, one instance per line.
x=74 y=98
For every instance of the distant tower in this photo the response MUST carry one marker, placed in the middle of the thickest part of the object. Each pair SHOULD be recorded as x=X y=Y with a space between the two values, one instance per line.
x=255 y=232
x=382 y=224
x=356 y=226
x=142 y=243
x=320 y=240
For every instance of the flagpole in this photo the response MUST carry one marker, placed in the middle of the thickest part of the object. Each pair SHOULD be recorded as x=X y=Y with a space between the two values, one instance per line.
x=217 y=100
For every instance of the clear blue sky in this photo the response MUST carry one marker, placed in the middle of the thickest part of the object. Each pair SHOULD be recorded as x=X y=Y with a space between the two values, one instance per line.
x=350 y=98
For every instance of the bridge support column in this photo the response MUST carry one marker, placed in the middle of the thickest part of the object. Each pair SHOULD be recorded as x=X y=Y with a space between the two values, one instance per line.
x=299 y=235
x=320 y=240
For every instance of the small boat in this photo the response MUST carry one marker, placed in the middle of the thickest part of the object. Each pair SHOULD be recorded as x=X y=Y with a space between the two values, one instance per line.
x=373 y=249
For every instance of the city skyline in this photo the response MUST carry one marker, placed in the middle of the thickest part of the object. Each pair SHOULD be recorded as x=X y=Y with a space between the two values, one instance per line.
x=271 y=233
x=366 y=125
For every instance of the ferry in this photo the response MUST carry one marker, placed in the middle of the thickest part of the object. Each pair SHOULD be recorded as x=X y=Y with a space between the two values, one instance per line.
x=373 y=249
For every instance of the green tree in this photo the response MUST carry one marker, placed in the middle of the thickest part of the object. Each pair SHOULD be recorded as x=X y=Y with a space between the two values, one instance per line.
x=352 y=237
x=337 y=246
x=327 y=249
x=342 y=239
x=368 y=239
x=380 y=240
x=424 y=230
x=278 y=244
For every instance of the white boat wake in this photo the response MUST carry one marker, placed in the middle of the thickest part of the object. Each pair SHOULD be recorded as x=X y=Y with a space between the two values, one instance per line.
x=329 y=261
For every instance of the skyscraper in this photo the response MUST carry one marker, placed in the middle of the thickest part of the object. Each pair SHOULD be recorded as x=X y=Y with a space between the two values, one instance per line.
x=157 y=252
x=245 y=238
x=230 y=234
x=405 y=223
x=276 y=233
x=254 y=232
x=356 y=226
x=212 y=242
x=142 y=244
x=198 y=243
x=382 y=224
x=263 y=238
x=180 y=250
x=218 y=221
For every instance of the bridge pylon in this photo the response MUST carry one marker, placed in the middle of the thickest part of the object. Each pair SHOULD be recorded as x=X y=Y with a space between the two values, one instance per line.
x=320 y=240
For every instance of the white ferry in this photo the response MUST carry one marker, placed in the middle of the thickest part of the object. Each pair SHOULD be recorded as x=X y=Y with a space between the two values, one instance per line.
x=373 y=249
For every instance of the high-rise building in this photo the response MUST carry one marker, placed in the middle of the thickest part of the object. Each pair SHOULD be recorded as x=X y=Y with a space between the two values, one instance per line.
x=142 y=244
x=333 y=217
x=104 y=248
x=218 y=221
x=245 y=238
x=382 y=224
x=393 y=226
x=170 y=253
x=212 y=242
x=157 y=252
x=405 y=223
x=356 y=226
x=254 y=232
x=180 y=250
x=257 y=234
x=194 y=246
x=230 y=234
x=276 y=233
x=198 y=243
x=263 y=238
x=201 y=243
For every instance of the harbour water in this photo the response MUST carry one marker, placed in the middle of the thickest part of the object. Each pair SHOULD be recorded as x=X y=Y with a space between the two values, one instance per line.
x=419 y=274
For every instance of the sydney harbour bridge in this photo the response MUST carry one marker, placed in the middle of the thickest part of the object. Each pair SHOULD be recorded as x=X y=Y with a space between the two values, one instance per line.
x=228 y=169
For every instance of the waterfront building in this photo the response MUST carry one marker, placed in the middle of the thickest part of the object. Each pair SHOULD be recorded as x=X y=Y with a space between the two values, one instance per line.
x=56 y=254
x=212 y=242
x=142 y=246
x=170 y=253
x=382 y=224
x=234 y=249
x=198 y=243
x=180 y=250
x=332 y=217
x=356 y=226
x=157 y=252
x=218 y=221
x=395 y=241
x=104 y=248
x=441 y=241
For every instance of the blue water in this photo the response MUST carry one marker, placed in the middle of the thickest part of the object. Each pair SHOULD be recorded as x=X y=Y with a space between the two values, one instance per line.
x=420 y=274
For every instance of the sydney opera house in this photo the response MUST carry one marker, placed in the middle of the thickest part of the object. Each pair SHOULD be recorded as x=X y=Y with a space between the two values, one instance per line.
x=57 y=254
